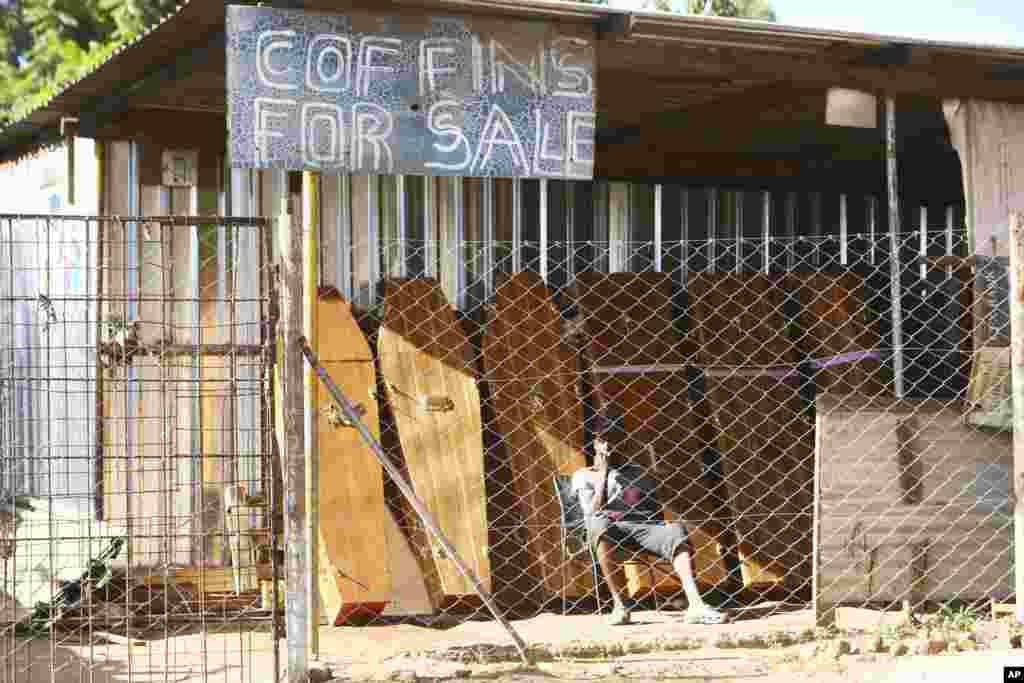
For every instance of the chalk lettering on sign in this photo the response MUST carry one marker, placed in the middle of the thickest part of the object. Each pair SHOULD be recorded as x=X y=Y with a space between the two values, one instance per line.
x=580 y=141
x=328 y=63
x=573 y=80
x=372 y=125
x=498 y=131
x=317 y=116
x=541 y=143
x=265 y=114
x=452 y=96
x=432 y=52
x=502 y=61
x=266 y=45
x=442 y=124
x=369 y=48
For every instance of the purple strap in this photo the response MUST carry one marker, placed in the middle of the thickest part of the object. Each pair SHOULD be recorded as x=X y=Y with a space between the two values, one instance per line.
x=784 y=374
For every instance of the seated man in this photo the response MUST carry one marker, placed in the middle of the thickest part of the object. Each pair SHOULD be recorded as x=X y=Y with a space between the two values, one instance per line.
x=620 y=510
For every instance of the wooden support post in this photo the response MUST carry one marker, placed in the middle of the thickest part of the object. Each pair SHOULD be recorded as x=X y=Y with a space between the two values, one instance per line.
x=311 y=233
x=1017 y=382
x=297 y=597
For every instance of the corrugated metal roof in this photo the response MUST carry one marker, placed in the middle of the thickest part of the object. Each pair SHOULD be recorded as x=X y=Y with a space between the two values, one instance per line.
x=195 y=20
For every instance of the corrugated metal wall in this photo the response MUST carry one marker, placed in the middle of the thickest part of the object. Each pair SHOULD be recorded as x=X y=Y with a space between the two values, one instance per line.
x=463 y=230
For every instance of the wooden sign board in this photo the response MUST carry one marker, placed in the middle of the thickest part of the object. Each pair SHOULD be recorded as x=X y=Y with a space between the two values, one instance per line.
x=409 y=94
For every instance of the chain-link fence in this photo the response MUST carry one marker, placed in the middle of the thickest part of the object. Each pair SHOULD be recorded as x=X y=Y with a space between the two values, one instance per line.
x=136 y=476
x=799 y=418
x=812 y=410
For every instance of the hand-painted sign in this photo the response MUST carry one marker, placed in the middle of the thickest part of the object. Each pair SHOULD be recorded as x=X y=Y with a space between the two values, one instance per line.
x=367 y=93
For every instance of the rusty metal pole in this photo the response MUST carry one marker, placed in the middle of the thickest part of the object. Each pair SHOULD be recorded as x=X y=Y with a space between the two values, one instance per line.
x=1017 y=380
x=293 y=452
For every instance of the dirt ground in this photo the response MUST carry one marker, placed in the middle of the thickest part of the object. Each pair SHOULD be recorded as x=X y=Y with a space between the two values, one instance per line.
x=658 y=646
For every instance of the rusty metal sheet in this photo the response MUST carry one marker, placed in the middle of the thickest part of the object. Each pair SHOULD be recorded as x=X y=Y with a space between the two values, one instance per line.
x=444 y=95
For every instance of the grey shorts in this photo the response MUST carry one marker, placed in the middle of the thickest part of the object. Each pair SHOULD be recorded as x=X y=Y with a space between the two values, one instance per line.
x=664 y=539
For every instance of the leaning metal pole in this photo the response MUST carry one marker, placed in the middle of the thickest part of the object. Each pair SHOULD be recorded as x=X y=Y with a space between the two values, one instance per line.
x=293 y=453
x=418 y=505
x=1017 y=382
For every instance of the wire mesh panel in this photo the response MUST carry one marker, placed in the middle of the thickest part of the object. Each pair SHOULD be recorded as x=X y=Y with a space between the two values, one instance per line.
x=743 y=418
x=753 y=400
x=136 y=473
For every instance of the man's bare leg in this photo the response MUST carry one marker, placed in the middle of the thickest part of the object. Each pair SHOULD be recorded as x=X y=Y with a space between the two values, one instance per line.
x=697 y=610
x=615 y=577
x=683 y=568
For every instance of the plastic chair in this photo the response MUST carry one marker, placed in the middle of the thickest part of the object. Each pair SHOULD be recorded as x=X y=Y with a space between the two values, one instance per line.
x=575 y=544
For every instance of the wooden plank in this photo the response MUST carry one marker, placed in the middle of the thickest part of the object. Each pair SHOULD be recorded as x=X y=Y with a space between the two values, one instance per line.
x=628 y=320
x=426 y=364
x=738 y=319
x=909 y=452
x=539 y=419
x=914 y=503
x=834 y=322
x=923 y=554
x=358 y=570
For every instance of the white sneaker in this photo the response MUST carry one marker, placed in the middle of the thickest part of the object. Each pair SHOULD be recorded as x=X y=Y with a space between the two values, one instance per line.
x=704 y=615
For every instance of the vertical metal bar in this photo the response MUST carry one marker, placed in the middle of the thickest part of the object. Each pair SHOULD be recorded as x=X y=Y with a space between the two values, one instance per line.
x=343 y=224
x=766 y=229
x=517 y=225
x=684 y=236
x=373 y=252
x=922 y=248
x=269 y=333
x=712 y=229
x=99 y=436
x=872 y=207
x=430 y=236
x=620 y=196
x=791 y=207
x=816 y=229
x=455 y=241
x=658 y=227
x=488 y=251
x=297 y=597
x=570 y=230
x=950 y=247
x=892 y=189
x=46 y=352
x=737 y=198
x=311 y=230
x=844 y=233
x=542 y=200
x=401 y=229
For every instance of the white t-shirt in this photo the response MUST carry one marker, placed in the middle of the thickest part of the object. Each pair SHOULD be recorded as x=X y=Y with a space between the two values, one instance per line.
x=629 y=494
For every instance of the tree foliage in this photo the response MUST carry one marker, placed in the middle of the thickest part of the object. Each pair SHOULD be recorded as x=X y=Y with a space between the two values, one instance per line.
x=745 y=9
x=46 y=43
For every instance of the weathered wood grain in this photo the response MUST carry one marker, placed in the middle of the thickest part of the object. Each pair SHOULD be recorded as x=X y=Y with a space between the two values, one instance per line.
x=539 y=418
x=365 y=561
x=425 y=360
